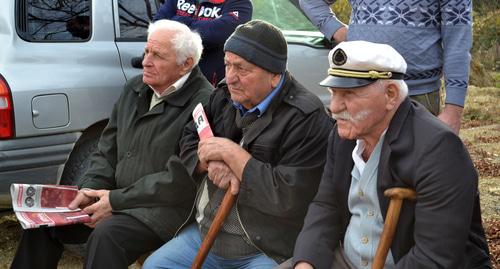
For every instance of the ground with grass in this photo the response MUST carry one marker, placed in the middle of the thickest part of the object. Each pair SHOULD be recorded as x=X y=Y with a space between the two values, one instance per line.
x=480 y=132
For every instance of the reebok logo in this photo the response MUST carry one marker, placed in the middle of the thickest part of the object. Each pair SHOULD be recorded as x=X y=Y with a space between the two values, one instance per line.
x=186 y=7
x=205 y=12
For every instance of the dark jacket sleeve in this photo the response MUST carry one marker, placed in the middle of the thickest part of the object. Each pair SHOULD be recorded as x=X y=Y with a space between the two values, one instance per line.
x=321 y=232
x=102 y=163
x=213 y=32
x=189 y=148
x=443 y=211
x=189 y=140
x=281 y=189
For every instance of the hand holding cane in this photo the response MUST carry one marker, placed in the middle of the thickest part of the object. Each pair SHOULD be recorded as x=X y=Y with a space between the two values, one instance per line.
x=204 y=131
x=397 y=195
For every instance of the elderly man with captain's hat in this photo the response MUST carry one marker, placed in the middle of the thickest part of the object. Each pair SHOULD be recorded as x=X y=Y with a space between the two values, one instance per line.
x=381 y=140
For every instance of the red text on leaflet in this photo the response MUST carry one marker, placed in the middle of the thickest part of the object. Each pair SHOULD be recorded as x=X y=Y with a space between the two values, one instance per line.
x=20 y=196
x=53 y=197
x=201 y=122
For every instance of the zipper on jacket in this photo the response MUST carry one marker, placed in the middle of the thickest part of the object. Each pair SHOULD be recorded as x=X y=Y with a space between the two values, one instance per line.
x=242 y=141
x=244 y=230
x=192 y=208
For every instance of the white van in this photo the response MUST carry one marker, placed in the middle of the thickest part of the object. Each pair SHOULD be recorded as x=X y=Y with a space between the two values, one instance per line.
x=64 y=63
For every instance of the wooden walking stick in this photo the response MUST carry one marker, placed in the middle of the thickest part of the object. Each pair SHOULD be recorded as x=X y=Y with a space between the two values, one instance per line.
x=204 y=131
x=224 y=209
x=397 y=196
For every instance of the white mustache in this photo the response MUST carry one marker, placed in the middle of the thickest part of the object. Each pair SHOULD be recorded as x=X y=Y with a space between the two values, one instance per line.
x=344 y=115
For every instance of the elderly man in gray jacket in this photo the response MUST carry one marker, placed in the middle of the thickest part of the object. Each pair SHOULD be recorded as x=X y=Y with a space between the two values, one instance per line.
x=137 y=195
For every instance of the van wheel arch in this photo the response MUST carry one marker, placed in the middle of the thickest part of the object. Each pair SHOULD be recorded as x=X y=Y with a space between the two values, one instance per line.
x=78 y=160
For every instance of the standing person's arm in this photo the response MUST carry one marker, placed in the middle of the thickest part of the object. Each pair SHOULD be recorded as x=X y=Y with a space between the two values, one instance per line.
x=320 y=14
x=166 y=11
x=215 y=32
x=456 y=36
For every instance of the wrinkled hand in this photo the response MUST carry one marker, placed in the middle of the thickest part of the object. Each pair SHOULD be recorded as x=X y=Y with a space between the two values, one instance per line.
x=99 y=210
x=81 y=200
x=215 y=149
x=224 y=150
x=221 y=175
x=452 y=116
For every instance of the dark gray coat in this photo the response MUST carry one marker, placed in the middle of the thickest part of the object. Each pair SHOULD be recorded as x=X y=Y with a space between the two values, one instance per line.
x=133 y=155
x=441 y=230
x=288 y=148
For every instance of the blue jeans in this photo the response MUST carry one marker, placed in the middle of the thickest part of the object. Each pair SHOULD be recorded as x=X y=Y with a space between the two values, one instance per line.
x=180 y=252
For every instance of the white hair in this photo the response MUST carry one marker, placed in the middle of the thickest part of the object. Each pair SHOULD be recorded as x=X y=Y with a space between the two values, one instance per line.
x=400 y=84
x=185 y=42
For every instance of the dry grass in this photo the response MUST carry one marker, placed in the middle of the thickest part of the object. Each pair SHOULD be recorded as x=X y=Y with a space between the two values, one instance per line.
x=481 y=135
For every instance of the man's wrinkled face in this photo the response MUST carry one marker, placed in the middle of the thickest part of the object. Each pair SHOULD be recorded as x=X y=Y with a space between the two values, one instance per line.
x=160 y=67
x=248 y=84
x=358 y=111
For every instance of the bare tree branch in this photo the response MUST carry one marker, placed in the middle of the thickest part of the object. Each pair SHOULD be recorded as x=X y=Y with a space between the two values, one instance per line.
x=132 y=15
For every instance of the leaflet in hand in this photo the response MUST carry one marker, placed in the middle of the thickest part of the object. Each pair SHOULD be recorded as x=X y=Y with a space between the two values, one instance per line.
x=42 y=198
x=201 y=122
x=45 y=205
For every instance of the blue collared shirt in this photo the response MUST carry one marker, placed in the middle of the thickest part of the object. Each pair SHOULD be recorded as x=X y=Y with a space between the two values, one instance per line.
x=262 y=106
x=366 y=224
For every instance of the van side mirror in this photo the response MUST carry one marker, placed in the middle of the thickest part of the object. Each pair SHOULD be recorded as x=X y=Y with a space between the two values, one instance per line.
x=136 y=62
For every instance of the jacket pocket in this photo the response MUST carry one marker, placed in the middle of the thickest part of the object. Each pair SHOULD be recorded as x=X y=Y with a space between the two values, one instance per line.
x=264 y=153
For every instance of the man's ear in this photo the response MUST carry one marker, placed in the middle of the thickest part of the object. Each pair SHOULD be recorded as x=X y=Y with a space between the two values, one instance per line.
x=275 y=80
x=392 y=95
x=187 y=65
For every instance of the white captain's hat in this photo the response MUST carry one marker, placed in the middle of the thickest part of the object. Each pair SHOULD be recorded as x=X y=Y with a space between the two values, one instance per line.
x=356 y=64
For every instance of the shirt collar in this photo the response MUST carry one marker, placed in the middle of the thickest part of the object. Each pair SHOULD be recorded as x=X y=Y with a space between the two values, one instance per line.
x=172 y=88
x=358 y=151
x=264 y=104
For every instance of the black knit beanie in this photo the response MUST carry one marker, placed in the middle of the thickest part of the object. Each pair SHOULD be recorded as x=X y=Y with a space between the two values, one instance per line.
x=260 y=43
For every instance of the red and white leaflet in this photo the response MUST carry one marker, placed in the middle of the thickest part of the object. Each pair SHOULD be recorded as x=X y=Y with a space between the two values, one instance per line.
x=45 y=205
x=201 y=122
x=31 y=220
x=42 y=198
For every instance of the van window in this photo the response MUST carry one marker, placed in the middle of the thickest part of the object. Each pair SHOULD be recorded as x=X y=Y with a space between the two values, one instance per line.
x=135 y=17
x=285 y=14
x=54 y=20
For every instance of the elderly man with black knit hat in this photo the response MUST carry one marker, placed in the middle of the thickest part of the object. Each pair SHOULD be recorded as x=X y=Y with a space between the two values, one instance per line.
x=269 y=147
x=382 y=140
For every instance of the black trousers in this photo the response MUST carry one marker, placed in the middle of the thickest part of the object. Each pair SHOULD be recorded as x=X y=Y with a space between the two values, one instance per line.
x=116 y=242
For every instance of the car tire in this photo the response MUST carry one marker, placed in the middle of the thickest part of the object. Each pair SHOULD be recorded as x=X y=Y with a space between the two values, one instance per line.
x=78 y=161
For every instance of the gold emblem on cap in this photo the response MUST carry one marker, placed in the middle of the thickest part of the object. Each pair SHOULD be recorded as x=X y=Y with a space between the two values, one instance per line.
x=359 y=74
x=339 y=57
